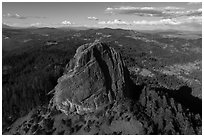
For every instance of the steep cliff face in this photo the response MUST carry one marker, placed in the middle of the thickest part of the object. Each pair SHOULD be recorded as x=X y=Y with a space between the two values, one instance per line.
x=94 y=78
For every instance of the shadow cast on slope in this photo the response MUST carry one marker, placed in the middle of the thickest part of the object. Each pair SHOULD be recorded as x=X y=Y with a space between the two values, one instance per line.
x=184 y=96
x=132 y=91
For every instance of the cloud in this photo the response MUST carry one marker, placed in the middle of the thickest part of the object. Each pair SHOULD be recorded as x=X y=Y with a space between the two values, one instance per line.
x=93 y=18
x=140 y=11
x=172 y=8
x=170 y=17
x=165 y=12
x=65 y=22
x=158 y=22
x=163 y=22
x=197 y=12
x=167 y=24
x=36 y=24
x=188 y=23
x=114 y=22
x=17 y=16
x=194 y=3
x=192 y=19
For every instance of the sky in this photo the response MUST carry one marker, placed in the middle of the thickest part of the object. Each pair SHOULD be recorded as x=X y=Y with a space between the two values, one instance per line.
x=135 y=15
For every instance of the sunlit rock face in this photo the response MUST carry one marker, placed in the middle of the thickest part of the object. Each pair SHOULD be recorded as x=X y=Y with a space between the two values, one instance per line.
x=93 y=79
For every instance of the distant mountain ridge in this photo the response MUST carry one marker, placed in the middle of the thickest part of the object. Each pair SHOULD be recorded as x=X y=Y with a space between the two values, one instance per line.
x=106 y=28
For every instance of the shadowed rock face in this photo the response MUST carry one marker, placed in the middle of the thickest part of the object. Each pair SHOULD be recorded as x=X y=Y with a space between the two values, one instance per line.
x=94 y=78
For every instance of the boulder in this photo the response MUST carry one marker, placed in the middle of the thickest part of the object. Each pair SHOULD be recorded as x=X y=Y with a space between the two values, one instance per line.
x=93 y=79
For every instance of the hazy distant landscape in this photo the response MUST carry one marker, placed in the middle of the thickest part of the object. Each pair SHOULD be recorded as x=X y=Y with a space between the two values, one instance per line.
x=162 y=75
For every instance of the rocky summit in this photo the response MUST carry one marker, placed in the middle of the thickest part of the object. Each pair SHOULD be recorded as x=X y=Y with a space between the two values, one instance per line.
x=93 y=79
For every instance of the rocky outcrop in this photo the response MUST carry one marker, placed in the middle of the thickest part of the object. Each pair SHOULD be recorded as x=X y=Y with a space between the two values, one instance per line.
x=97 y=77
x=93 y=79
